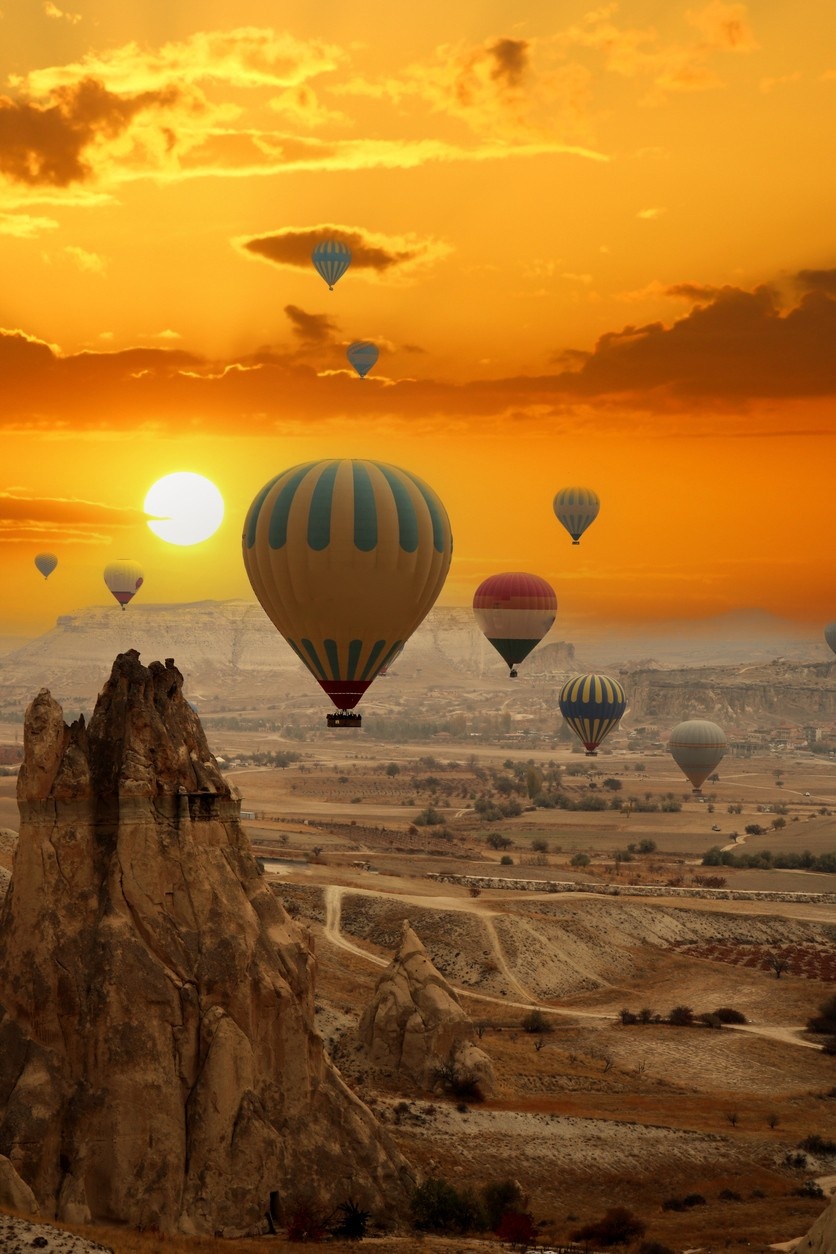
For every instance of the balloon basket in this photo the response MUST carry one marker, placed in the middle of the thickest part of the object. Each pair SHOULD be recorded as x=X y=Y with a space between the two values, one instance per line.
x=513 y=674
x=345 y=718
x=591 y=753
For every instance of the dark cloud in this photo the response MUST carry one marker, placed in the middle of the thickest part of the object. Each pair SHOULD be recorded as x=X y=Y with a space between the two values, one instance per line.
x=734 y=344
x=292 y=247
x=46 y=143
x=817 y=281
x=510 y=58
x=312 y=328
x=735 y=347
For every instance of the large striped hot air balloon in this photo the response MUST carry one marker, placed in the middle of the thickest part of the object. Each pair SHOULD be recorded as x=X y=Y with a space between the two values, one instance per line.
x=515 y=611
x=331 y=258
x=576 y=508
x=697 y=747
x=363 y=355
x=830 y=635
x=124 y=579
x=592 y=706
x=46 y=563
x=346 y=558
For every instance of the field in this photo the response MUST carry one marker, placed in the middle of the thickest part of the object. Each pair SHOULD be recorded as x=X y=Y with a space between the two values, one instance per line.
x=592 y=1112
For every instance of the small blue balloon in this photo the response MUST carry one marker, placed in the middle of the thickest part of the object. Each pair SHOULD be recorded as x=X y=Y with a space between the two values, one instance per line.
x=362 y=356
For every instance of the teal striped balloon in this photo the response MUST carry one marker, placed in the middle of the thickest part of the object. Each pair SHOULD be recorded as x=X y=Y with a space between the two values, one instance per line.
x=346 y=557
x=592 y=706
x=576 y=508
x=331 y=258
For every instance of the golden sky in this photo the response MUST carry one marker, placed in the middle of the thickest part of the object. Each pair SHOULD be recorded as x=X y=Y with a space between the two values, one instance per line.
x=595 y=245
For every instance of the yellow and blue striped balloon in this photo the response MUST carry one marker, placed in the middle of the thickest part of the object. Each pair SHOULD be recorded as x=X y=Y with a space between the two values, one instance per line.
x=346 y=557
x=592 y=706
x=576 y=508
x=331 y=258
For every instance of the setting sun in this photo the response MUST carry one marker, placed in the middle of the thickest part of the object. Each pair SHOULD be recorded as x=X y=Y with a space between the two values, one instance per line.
x=188 y=508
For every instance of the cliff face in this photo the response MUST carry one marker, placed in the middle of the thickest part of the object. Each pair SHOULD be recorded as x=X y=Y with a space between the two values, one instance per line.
x=158 y=1058
x=773 y=693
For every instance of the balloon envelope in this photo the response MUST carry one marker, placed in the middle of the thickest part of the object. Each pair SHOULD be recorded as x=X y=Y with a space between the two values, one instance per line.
x=592 y=706
x=124 y=579
x=576 y=508
x=697 y=747
x=515 y=611
x=331 y=258
x=362 y=355
x=346 y=558
x=830 y=635
x=46 y=563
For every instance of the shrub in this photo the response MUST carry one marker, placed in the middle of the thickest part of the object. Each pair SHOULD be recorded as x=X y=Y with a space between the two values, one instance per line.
x=617 y=1227
x=683 y=1203
x=437 y=1206
x=726 y=1014
x=353 y=1222
x=810 y=1188
x=517 y=1229
x=654 y=1247
x=506 y=860
x=304 y=1226
x=729 y=1195
x=536 y=1021
x=815 y=1144
x=497 y=1198
x=579 y=859
x=681 y=1016
x=825 y=1020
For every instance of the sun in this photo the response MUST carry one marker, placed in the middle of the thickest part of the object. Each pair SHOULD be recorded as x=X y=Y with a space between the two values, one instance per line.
x=186 y=508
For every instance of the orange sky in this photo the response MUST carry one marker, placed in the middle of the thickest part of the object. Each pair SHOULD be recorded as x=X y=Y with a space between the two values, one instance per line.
x=594 y=244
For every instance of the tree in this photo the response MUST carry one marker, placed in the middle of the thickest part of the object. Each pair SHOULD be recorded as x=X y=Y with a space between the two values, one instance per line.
x=498 y=841
x=778 y=964
x=393 y=769
x=754 y=829
x=498 y=1197
x=778 y=823
x=533 y=782
x=535 y=1021
x=681 y=1016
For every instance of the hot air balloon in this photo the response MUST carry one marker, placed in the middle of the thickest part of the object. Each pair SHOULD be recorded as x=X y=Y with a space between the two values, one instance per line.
x=576 y=508
x=331 y=258
x=124 y=579
x=362 y=355
x=514 y=611
x=346 y=558
x=830 y=635
x=384 y=670
x=592 y=706
x=697 y=747
x=46 y=563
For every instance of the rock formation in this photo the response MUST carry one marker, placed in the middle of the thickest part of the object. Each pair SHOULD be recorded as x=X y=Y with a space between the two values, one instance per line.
x=415 y=1023
x=159 y=1064
x=821 y=1239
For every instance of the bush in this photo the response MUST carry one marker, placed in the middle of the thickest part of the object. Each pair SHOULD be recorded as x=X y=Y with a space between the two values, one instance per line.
x=683 y=1203
x=810 y=1188
x=536 y=1021
x=617 y=1227
x=353 y=1222
x=681 y=1017
x=506 y=860
x=517 y=1229
x=816 y=1144
x=726 y=1014
x=579 y=859
x=437 y=1206
x=497 y=841
x=825 y=1020
x=498 y=1198
x=654 y=1247
x=305 y=1226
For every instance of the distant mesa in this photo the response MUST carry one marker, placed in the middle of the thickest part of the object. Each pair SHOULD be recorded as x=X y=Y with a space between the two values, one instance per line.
x=159 y=1063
